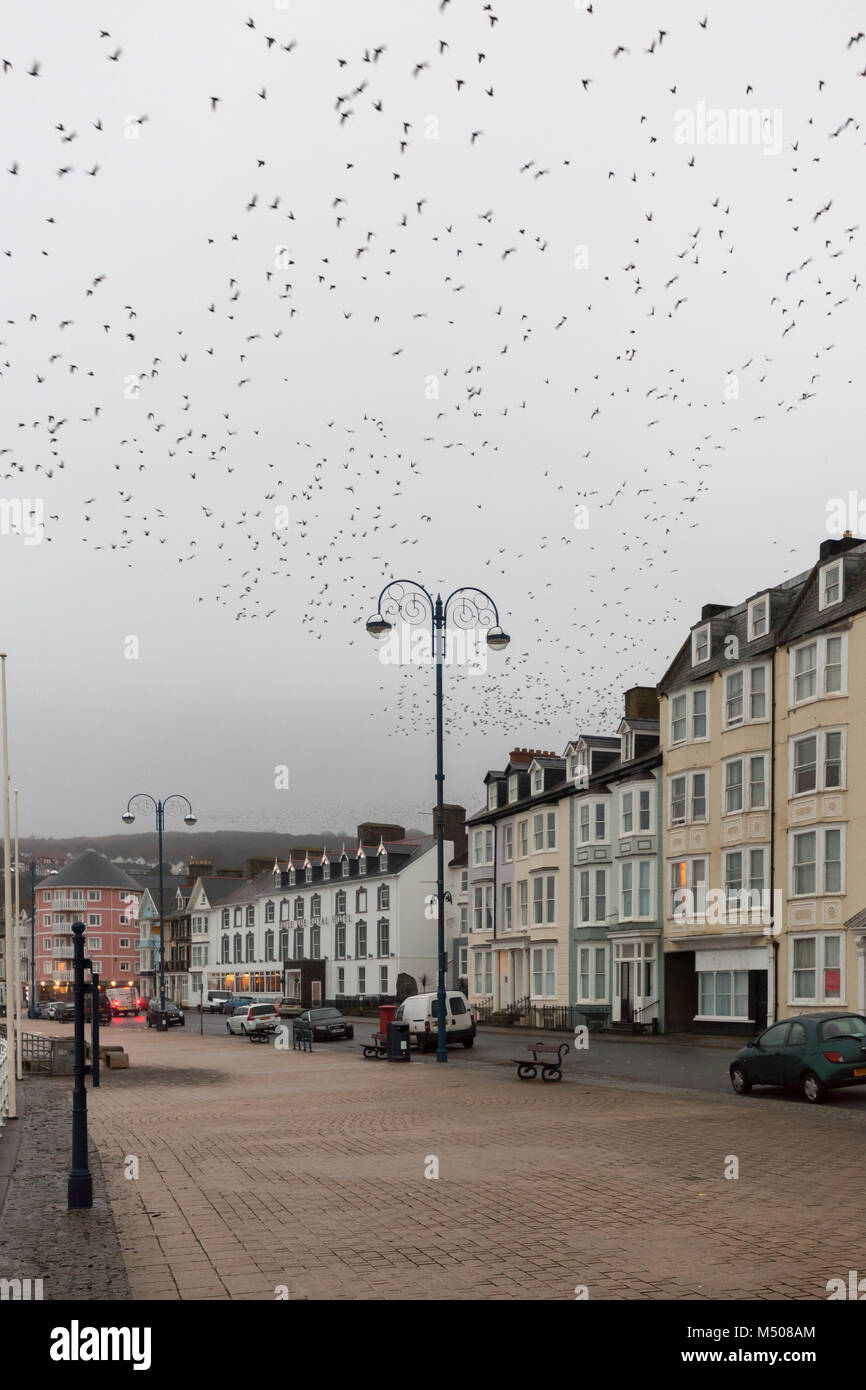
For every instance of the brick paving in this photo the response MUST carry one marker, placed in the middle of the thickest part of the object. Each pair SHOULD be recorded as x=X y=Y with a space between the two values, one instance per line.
x=261 y=1168
x=75 y=1253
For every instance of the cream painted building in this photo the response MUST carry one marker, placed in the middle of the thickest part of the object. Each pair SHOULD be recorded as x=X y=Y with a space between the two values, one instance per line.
x=519 y=886
x=763 y=731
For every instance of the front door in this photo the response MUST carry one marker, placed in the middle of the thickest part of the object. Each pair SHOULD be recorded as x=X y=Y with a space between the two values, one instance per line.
x=506 y=984
x=758 y=998
x=626 y=996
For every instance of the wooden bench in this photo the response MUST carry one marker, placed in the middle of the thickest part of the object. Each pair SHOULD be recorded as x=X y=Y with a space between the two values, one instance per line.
x=376 y=1047
x=546 y=1057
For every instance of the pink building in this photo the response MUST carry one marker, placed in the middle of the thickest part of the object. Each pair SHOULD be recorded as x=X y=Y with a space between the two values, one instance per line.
x=94 y=891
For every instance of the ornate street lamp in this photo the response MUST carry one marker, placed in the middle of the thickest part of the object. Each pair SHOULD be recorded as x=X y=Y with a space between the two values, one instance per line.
x=128 y=817
x=468 y=608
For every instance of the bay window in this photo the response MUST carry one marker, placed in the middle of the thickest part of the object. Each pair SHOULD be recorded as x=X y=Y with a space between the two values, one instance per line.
x=817 y=861
x=819 y=668
x=592 y=896
x=818 y=761
x=816 y=968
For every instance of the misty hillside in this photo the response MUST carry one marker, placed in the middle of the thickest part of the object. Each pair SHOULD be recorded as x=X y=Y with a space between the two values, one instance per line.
x=226 y=849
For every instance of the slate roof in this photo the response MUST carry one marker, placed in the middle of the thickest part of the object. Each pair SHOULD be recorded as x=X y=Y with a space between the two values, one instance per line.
x=91 y=870
x=794 y=615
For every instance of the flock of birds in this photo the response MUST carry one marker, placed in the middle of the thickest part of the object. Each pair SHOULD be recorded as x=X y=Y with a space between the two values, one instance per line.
x=272 y=516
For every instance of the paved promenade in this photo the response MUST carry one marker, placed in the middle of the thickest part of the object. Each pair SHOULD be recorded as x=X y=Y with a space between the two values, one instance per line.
x=260 y=1170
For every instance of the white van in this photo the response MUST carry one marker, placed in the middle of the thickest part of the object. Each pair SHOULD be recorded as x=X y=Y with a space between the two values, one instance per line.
x=421 y=1012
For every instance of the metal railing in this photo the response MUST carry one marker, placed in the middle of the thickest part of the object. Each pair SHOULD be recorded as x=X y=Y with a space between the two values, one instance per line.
x=554 y=1018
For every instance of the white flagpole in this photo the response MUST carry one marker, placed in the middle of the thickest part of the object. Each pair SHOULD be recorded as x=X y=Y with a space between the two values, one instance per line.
x=11 y=947
x=18 y=1033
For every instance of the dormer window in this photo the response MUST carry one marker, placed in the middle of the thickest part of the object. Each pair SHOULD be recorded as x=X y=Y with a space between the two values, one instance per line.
x=326 y=869
x=579 y=771
x=344 y=866
x=701 y=644
x=627 y=745
x=538 y=780
x=492 y=796
x=362 y=862
x=513 y=785
x=308 y=874
x=831 y=585
x=383 y=862
x=759 y=617
x=292 y=875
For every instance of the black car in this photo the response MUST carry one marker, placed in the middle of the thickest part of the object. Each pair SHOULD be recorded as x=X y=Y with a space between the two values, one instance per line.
x=173 y=1012
x=64 y=1010
x=321 y=1024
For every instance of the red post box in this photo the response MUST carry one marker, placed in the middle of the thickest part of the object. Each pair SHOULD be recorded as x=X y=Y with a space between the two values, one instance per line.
x=386 y=1016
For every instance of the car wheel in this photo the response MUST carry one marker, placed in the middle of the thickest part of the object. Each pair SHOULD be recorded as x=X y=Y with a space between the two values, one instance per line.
x=183 y=1023
x=740 y=1082
x=350 y=1032
x=813 y=1088
x=468 y=1042
x=228 y=1028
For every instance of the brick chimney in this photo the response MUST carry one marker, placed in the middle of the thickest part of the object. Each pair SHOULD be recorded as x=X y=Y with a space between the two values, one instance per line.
x=370 y=832
x=252 y=869
x=525 y=755
x=712 y=610
x=453 y=826
x=199 y=868
x=642 y=702
x=838 y=545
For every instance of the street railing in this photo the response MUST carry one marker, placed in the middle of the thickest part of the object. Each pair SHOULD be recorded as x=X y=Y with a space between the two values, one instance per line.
x=554 y=1018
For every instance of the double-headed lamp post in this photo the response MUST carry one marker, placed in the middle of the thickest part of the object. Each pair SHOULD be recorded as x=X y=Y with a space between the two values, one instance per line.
x=189 y=819
x=409 y=601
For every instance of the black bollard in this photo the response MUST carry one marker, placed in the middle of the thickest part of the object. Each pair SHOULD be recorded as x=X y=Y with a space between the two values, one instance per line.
x=79 y=1191
x=94 y=1030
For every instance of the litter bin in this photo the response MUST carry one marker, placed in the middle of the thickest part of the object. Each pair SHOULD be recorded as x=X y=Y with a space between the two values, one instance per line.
x=162 y=1020
x=397 y=1042
x=386 y=1016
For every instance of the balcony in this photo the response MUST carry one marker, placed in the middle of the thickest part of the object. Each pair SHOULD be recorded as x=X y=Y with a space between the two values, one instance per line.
x=61 y=952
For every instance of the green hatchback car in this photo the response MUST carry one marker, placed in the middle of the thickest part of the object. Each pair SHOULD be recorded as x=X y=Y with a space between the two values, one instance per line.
x=813 y=1054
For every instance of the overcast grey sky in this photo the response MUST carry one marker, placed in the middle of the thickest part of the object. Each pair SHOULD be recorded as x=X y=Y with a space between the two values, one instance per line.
x=302 y=377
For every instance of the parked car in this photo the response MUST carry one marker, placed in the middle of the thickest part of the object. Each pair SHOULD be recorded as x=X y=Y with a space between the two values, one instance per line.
x=815 y=1054
x=215 y=1000
x=421 y=1012
x=249 y=1017
x=322 y=1024
x=235 y=1001
x=290 y=1008
x=174 y=1011
x=63 y=1011
x=105 y=1008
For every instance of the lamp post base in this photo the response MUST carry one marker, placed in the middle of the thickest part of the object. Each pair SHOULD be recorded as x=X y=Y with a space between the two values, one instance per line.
x=79 y=1190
